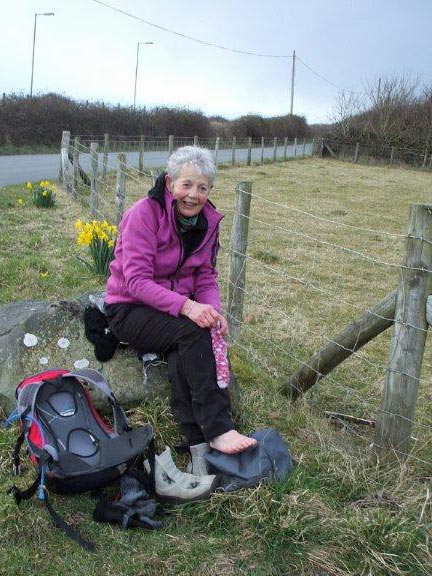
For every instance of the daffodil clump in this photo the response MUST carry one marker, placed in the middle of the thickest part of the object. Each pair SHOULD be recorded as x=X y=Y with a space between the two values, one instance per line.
x=43 y=194
x=100 y=237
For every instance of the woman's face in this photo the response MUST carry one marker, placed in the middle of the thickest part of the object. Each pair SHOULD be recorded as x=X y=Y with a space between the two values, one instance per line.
x=191 y=191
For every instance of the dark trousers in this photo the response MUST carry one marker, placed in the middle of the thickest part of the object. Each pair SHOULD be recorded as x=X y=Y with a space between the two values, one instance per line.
x=201 y=409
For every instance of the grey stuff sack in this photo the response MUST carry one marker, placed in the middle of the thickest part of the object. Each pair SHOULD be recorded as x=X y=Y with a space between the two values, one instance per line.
x=268 y=460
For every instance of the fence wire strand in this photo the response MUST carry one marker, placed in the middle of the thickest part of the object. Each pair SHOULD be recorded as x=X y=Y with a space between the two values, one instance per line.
x=298 y=280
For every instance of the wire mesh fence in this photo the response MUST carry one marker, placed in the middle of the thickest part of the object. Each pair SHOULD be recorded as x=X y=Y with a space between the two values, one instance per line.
x=377 y=154
x=153 y=152
x=311 y=276
x=317 y=261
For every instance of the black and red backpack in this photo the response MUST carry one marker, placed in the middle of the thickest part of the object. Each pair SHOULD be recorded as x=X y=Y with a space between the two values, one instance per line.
x=72 y=447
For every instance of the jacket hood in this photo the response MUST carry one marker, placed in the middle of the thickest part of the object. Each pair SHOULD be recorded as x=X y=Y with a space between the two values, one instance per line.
x=158 y=190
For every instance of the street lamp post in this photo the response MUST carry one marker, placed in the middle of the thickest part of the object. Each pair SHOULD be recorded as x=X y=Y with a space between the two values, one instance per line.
x=136 y=70
x=34 y=42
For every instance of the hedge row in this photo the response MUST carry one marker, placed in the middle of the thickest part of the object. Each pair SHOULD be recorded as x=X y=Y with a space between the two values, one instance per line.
x=40 y=121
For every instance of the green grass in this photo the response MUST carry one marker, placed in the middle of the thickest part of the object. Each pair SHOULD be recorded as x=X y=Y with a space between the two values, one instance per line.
x=338 y=513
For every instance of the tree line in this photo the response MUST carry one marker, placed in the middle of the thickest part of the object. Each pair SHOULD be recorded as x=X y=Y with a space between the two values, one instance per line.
x=40 y=120
x=390 y=112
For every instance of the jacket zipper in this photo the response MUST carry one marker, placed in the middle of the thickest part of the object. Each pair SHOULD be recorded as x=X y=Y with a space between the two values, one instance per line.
x=179 y=262
x=182 y=261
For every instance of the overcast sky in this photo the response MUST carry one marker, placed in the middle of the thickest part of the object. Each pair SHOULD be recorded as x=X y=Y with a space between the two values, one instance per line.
x=88 y=51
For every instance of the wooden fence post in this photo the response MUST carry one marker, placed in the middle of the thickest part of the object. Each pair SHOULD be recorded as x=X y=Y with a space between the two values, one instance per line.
x=140 y=155
x=425 y=157
x=249 y=152
x=105 y=157
x=63 y=144
x=65 y=173
x=313 y=147
x=321 y=148
x=76 y=171
x=216 y=151
x=396 y=414
x=391 y=155
x=93 y=185
x=233 y=150
x=366 y=327
x=196 y=141
x=274 y=148
x=237 y=258
x=430 y=161
x=304 y=148
x=170 y=144
x=155 y=173
x=356 y=153
x=295 y=146
x=285 y=147
x=120 y=187
x=262 y=149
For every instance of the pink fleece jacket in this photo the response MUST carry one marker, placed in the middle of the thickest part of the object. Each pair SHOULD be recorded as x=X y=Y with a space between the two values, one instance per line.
x=148 y=264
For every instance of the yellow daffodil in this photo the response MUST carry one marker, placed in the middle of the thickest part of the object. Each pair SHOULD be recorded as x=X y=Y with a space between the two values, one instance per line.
x=20 y=202
x=43 y=274
x=95 y=231
x=29 y=186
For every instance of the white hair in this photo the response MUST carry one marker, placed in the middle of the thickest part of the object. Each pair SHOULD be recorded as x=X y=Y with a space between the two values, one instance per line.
x=200 y=158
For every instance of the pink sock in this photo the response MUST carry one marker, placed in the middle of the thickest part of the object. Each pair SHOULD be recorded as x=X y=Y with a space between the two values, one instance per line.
x=220 y=353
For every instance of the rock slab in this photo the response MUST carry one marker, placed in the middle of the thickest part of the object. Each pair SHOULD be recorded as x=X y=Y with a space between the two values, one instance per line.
x=40 y=335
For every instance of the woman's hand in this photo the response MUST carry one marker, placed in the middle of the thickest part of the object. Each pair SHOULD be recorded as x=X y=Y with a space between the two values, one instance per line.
x=204 y=315
x=223 y=325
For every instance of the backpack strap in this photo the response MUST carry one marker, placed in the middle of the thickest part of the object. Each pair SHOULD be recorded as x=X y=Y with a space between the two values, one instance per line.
x=16 y=454
x=24 y=494
x=20 y=495
x=39 y=483
x=67 y=528
x=94 y=377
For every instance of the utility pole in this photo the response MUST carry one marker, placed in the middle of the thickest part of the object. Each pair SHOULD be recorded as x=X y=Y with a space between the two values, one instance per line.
x=292 y=82
x=34 y=43
x=136 y=70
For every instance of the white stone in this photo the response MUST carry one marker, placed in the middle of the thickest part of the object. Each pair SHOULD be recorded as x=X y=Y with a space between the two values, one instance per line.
x=80 y=364
x=43 y=360
x=63 y=343
x=30 y=340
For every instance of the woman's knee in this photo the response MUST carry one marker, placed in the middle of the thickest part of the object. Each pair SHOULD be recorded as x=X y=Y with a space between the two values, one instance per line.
x=195 y=335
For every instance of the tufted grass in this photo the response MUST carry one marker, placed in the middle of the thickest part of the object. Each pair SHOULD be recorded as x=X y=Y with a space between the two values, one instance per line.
x=339 y=513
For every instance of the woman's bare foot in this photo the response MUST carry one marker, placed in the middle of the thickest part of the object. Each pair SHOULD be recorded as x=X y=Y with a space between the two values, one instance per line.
x=232 y=442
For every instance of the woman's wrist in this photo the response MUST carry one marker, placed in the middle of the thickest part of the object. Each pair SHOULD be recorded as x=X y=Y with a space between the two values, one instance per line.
x=187 y=307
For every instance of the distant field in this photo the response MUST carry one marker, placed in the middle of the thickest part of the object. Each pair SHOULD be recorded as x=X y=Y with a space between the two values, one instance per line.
x=325 y=242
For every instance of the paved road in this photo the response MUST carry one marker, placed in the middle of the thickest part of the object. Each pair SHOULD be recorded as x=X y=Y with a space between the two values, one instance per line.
x=31 y=168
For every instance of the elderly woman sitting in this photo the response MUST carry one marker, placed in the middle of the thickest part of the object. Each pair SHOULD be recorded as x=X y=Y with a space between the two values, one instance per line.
x=163 y=296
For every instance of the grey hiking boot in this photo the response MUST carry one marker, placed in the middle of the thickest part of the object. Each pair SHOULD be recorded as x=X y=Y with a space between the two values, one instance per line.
x=198 y=464
x=172 y=485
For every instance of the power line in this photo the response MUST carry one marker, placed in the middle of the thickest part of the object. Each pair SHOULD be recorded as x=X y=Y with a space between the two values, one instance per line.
x=189 y=37
x=323 y=78
x=220 y=46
